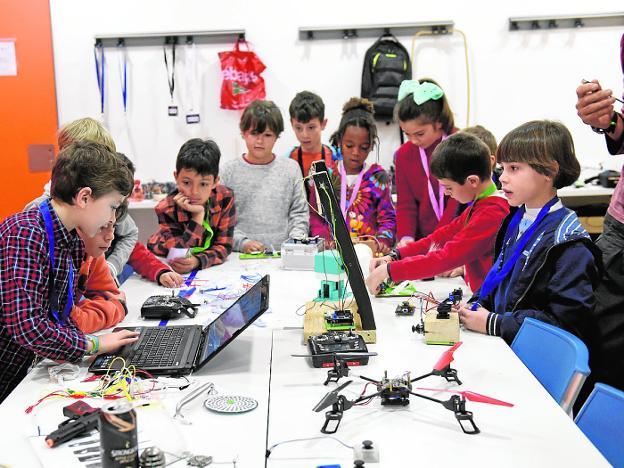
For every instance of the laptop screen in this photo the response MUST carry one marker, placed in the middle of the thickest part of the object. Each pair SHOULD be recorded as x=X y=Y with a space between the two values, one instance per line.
x=234 y=320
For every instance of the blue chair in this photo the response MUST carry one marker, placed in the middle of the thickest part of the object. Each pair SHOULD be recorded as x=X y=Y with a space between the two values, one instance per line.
x=602 y=420
x=558 y=359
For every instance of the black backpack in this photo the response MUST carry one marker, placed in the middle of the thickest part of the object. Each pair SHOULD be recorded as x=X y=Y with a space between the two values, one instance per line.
x=386 y=65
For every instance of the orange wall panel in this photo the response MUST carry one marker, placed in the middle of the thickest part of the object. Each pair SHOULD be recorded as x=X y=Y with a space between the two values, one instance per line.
x=28 y=113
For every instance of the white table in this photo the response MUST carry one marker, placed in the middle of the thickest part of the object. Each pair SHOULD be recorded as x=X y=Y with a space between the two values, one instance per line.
x=536 y=431
x=586 y=195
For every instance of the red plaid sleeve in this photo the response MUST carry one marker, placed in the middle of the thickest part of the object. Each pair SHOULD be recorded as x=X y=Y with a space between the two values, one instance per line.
x=222 y=221
x=25 y=306
x=176 y=229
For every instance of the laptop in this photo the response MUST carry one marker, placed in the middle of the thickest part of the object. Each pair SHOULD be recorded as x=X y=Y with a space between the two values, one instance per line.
x=180 y=350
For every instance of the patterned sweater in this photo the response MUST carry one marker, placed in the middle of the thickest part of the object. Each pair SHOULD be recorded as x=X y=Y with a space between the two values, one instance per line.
x=372 y=212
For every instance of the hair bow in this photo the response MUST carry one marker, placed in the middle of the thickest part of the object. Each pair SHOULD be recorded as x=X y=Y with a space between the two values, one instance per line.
x=422 y=92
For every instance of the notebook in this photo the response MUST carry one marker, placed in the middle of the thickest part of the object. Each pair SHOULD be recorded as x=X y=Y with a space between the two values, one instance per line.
x=180 y=350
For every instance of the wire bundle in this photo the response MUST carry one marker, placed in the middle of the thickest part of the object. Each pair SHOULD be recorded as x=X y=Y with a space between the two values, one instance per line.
x=123 y=383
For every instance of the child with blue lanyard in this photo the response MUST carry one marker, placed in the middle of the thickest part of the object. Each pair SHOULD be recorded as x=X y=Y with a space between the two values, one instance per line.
x=546 y=265
x=40 y=255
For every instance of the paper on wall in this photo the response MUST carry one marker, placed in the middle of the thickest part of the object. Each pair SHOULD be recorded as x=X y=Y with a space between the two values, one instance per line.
x=8 y=62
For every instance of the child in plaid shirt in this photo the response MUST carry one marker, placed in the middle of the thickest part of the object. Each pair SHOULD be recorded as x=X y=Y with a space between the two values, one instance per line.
x=200 y=214
x=41 y=255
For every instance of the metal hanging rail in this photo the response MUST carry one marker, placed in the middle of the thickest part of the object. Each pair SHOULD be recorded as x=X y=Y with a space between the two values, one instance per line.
x=157 y=38
x=565 y=21
x=374 y=30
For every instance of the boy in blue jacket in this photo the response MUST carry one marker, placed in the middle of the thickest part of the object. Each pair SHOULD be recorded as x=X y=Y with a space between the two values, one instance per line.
x=546 y=265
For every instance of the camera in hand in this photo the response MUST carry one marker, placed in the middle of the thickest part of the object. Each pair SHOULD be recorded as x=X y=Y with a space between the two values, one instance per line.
x=167 y=307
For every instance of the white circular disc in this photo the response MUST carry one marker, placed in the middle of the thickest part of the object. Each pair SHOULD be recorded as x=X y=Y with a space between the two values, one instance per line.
x=230 y=404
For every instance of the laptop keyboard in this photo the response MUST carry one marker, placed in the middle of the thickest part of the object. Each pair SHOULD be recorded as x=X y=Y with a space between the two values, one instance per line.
x=158 y=347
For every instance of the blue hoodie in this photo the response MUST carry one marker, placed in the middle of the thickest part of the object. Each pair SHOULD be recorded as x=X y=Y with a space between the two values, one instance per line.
x=552 y=281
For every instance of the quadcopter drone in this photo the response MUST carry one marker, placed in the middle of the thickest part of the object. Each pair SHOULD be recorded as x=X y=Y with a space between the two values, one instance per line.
x=397 y=392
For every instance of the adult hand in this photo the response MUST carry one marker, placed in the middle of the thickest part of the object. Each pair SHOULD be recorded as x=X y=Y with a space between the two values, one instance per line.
x=474 y=320
x=377 y=276
x=171 y=279
x=111 y=342
x=594 y=105
x=376 y=261
x=184 y=265
x=252 y=246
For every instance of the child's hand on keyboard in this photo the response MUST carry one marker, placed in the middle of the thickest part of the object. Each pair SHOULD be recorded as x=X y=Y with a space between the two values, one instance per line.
x=111 y=342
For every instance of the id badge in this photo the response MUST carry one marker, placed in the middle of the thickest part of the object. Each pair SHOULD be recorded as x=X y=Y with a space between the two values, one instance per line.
x=192 y=118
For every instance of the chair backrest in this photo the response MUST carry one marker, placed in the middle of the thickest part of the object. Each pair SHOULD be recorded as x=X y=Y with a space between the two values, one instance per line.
x=602 y=420
x=558 y=359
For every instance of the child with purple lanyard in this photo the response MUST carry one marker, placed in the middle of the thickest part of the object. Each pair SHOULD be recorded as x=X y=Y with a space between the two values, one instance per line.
x=426 y=119
x=546 y=265
x=364 y=188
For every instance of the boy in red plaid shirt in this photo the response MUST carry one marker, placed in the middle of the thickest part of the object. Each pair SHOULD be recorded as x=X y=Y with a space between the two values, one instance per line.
x=40 y=256
x=200 y=215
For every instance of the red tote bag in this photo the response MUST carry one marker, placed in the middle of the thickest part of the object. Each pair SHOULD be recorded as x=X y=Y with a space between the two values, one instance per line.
x=242 y=82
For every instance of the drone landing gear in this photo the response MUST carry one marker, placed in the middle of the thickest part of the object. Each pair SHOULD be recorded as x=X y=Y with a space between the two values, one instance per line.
x=334 y=416
x=457 y=405
x=449 y=374
x=339 y=370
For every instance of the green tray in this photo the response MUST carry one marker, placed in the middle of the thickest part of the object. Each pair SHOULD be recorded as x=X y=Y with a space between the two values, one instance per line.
x=259 y=256
x=391 y=291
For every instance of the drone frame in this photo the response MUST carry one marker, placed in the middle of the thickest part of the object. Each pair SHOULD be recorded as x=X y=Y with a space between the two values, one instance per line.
x=395 y=392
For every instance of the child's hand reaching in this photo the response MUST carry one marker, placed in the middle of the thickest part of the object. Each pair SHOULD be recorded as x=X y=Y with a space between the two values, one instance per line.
x=377 y=276
x=383 y=248
x=376 y=261
x=121 y=297
x=404 y=241
x=474 y=320
x=111 y=342
x=184 y=265
x=171 y=279
x=454 y=273
x=251 y=246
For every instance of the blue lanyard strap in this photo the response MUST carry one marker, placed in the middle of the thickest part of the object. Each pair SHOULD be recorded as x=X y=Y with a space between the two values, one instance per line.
x=44 y=208
x=99 y=71
x=121 y=46
x=501 y=269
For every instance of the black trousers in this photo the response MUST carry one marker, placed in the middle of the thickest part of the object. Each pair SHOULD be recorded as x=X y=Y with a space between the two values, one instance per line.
x=606 y=348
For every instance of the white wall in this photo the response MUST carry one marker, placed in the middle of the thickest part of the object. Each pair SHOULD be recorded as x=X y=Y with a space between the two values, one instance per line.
x=516 y=76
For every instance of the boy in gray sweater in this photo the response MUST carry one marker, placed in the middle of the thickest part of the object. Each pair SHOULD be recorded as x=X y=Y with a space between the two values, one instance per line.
x=270 y=195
